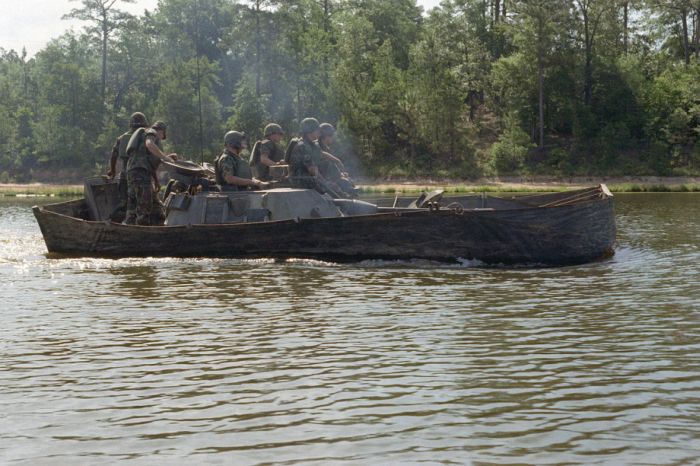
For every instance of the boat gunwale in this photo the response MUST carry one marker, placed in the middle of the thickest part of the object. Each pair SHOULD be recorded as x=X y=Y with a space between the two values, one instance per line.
x=393 y=213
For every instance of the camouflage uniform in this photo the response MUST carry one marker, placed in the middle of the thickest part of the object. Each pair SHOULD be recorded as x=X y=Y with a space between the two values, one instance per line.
x=332 y=172
x=327 y=167
x=119 y=152
x=143 y=205
x=305 y=155
x=273 y=152
x=230 y=164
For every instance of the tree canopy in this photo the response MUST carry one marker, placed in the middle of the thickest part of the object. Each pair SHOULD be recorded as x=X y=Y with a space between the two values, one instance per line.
x=470 y=88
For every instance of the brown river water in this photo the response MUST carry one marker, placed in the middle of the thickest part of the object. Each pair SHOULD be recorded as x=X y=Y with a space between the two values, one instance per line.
x=200 y=361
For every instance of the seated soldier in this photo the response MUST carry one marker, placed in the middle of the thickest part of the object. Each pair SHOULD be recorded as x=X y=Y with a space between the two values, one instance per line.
x=232 y=172
x=332 y=167
x=305 y=159
x=267 y=152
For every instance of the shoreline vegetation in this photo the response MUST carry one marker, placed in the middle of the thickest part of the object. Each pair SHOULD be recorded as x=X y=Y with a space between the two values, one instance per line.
x=415 y=186
x=587 y=88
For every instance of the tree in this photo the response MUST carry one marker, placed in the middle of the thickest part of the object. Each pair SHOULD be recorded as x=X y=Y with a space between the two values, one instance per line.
x=248 y=112
x=536 y=31
x=106 y=18
x=178 y=105
x=676 y=14
x=590 y=14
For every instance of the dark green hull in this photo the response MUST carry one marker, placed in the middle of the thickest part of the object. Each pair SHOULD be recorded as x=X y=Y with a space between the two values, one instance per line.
x=552 y=229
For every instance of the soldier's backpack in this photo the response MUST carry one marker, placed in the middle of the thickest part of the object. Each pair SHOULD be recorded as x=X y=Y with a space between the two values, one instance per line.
x=290 y=148
x=135 y=141
x=255 y=154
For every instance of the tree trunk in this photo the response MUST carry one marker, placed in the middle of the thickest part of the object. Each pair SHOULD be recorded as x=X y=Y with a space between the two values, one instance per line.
x=625 y=19
x=105 y=37
x=686 y=45
x=540 y=83
x=257 y=48
x=540 y=80
x=696 y=29
x=587 y=71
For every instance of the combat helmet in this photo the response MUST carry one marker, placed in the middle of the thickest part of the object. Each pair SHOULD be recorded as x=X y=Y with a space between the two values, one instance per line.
x=138 y=120
x=235 y=139
x=160 y=125
x=327 y=129
x=273 y=128
x=309 y=125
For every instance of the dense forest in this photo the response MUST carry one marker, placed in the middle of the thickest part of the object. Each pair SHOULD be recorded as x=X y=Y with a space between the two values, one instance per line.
x=471 y=88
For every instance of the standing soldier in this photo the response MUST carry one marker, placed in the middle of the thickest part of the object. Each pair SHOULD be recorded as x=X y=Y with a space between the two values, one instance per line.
x=267 y=152
x=137 y=120
x=232 y=172
x=145 y=154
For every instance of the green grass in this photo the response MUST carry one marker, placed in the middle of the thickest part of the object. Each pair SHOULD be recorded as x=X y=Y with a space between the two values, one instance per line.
x=654 y=188
x=388 y=188
x=458 y=189
x=41 y=190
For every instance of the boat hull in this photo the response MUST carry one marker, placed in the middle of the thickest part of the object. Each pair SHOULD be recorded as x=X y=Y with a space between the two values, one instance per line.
x=555 y=235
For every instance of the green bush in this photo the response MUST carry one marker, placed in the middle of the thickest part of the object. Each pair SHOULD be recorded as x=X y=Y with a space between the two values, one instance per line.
x=509 y=153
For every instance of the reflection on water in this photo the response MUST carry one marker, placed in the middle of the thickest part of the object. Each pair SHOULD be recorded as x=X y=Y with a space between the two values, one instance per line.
x=171 y=361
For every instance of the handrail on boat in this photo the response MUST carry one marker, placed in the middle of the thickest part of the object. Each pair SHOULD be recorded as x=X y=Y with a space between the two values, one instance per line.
x=600 y=191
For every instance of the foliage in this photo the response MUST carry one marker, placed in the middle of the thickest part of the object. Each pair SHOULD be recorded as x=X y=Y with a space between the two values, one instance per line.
x=573 y=87
x=509 y=153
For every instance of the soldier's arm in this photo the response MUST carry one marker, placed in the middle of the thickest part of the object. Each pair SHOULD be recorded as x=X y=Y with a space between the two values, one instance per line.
x=113 y=160
x=265 y=155
x=302 y=154
x=238 y=181
x=331 y=157
x=228 y=172
x=311 y=166
x=335 y=160
x=155 y=150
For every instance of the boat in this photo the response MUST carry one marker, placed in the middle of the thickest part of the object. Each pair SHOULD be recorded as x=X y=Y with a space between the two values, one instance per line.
x=550 y=229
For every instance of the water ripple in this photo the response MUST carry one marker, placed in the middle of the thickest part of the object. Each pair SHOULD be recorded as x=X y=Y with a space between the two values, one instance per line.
x=171 y=361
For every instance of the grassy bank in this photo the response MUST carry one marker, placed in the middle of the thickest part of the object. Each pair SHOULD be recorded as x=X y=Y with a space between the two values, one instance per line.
x=370 y=187
x=41 y=189
x=620 y=185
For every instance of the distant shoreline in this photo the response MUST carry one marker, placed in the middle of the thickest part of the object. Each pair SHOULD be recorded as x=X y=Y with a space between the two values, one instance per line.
x=536 y=184
x=410 y=186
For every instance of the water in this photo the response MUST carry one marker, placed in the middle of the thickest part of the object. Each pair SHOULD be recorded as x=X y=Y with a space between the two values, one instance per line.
x=172 y=361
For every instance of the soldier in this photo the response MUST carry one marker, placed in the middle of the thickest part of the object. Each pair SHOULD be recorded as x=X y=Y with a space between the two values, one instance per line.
x=145 y=154
x=332 y=167
x=137 y=120
x=232 y=172
x=267 y=152
x=305 y=159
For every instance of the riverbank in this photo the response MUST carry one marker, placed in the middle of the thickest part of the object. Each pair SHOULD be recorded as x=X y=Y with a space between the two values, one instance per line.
x=538 y=184
x=405 y=186
x=40 y=189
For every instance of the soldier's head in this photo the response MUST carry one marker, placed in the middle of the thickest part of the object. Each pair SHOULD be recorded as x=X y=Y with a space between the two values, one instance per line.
x=310 y=129
x=274 y=132
x=138 y=120
x=161 y=128
x=327 y=132
x=235 y=141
